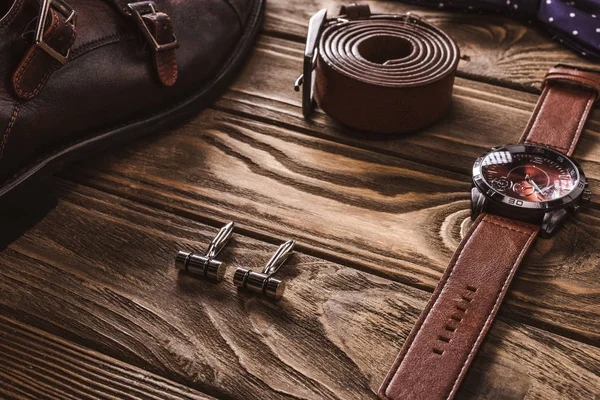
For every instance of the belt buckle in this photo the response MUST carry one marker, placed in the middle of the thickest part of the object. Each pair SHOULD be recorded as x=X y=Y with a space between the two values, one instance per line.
x=144 y=8
x=71 y=17
x=307 y=79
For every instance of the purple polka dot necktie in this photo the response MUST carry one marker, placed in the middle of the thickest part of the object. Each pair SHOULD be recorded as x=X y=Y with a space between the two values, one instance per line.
x=575 y=23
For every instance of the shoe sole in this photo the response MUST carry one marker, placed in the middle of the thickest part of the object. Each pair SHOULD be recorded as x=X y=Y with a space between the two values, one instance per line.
x=124 y=133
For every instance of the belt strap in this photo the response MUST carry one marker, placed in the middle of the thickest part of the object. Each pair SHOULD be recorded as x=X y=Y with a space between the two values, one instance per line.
x=379 y=72
x=54 y=37
x=443 y=343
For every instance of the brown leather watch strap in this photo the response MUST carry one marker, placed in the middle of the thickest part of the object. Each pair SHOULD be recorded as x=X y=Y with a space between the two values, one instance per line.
x=384 y=73
x=563 y=108
x=445 y=339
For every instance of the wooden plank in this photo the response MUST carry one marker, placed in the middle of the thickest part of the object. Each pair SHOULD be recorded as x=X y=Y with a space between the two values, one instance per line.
x=36 y=365
x=494 y=48
x=376 y=212
x=98 y=269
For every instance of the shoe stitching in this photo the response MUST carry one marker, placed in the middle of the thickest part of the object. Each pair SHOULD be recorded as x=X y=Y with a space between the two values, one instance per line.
x=97 y=43
x=12 y=13
x=11 y=123
x=26 y=94
x=254 y=16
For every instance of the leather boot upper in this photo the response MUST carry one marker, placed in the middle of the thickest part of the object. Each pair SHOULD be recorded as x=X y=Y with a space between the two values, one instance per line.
x=113 y=74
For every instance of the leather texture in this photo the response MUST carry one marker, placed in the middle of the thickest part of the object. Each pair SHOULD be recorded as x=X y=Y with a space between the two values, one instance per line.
x=384 y=73
x=160 y=26
x=562 y=109
x=111 y=78
x=443 y=343
x=37 y=65
x=445 y=339
x=165 y=61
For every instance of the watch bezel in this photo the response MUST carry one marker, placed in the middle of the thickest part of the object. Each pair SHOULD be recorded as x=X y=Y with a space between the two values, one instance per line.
x=562 y=202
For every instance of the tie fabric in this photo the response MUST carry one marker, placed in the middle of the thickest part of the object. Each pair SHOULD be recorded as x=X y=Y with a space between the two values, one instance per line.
x=574 y=23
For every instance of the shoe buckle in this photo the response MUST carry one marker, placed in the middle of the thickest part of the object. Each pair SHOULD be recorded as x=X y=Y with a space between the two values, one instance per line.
x=142 y=8
x=70 y=18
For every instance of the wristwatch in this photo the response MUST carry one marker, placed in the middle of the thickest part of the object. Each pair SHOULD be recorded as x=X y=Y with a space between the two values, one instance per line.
x=519 y=191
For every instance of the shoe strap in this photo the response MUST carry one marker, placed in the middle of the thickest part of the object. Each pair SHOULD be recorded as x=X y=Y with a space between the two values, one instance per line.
x=157 y=29
x=54 y=37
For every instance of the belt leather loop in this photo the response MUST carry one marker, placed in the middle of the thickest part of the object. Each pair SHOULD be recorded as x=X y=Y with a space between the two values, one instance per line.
x=379 y=72
x=355 y=11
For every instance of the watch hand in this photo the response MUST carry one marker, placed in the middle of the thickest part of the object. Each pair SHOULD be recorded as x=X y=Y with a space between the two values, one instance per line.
x=532 y=183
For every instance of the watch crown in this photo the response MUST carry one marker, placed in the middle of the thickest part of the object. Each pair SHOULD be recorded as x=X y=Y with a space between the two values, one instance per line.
x=586 y=196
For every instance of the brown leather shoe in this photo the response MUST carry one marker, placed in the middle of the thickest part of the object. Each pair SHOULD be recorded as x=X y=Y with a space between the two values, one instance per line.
x=78 y=75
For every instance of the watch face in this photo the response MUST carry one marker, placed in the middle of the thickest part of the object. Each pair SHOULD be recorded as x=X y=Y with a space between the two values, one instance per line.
x=528 y=176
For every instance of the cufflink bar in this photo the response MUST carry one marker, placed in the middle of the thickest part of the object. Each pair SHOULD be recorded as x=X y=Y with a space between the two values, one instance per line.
x=206 y=265
x=200 y=265
x=263 y=282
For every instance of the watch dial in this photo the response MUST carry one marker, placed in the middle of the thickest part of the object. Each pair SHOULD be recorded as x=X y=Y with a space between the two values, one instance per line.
x=529 y=176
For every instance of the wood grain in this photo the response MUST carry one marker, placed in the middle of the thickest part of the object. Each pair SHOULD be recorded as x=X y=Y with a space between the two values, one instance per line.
x=494 y=48
x=373 y=211
x=38 y=365
x=98 y=270
x=334 y=335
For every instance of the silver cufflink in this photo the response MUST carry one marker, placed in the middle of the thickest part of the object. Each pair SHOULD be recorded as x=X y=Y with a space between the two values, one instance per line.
x=206 y=265
x=263 y=282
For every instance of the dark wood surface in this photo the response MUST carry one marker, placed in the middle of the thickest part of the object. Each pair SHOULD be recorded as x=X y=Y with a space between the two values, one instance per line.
x=36 y=364
x=91 y=306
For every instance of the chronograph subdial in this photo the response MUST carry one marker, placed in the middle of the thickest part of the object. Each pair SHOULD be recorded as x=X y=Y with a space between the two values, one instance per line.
x=532 y=181
x=501 y=184
x=523 y=189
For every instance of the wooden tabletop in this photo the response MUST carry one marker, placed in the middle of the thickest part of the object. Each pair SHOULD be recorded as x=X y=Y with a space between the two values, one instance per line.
x=91 y=305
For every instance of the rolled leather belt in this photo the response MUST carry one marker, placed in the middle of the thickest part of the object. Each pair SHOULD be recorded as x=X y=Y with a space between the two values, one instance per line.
x=378 y=72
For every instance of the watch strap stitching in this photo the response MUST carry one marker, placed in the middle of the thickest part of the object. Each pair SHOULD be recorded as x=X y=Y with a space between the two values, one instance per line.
x=493 y=310
x=536 y=113
x=530 y=231
x=488 y=219
x=562 y=138
x=582 y=119
x=546 y=145
x=429 y=307
x=511 y=221
x=434 y=299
